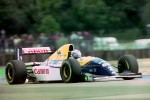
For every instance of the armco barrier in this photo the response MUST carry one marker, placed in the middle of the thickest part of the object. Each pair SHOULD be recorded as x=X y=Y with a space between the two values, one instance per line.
x=107 y=55
x=114 y=55
x=5 y=57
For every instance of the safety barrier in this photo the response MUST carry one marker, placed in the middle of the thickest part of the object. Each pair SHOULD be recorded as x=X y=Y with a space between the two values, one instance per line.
x=114 y=55
x=107 y=55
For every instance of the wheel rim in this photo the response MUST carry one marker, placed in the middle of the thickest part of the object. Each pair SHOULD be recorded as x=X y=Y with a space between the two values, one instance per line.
x=122 y=67
x=67 y=72
x=9 y=74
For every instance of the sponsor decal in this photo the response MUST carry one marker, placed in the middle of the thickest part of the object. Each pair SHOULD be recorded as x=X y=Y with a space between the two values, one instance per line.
x=107 y=66
x=41 y=71
x=53 y=63
x=35 y=50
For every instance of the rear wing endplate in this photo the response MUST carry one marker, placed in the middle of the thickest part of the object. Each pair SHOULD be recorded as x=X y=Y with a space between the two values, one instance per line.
x=31 y=51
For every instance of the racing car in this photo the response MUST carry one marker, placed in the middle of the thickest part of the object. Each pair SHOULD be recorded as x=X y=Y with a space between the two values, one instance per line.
x=67 y=65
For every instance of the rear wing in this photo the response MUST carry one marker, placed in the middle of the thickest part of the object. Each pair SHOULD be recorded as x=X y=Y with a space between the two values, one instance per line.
x=31 y=51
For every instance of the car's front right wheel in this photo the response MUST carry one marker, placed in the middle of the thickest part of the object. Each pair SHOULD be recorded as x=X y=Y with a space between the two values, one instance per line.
x=128 y=63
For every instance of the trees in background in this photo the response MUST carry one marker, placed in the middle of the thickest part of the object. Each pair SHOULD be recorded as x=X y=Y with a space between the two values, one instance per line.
x=49 y=16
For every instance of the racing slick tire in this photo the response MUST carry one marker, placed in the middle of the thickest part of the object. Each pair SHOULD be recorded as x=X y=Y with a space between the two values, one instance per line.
x=15 y=72
x=70 y=71
x=128 y=63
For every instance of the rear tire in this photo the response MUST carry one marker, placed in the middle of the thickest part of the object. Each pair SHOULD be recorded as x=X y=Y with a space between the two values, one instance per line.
x=70 y=71
x=16 y=72
x=129 y=63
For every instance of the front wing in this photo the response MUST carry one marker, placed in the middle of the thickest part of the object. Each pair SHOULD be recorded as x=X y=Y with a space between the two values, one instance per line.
x=90 y=77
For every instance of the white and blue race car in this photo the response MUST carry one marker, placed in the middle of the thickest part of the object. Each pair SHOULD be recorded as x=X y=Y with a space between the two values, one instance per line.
x=64 y=65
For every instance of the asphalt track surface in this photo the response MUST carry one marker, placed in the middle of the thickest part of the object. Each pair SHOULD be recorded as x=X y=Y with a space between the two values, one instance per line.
x=110 y=89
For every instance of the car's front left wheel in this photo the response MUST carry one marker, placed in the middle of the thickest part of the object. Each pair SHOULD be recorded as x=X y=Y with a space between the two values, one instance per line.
x=70 y=71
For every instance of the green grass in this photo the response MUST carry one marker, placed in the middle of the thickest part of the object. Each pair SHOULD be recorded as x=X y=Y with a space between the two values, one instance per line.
x=2 y=72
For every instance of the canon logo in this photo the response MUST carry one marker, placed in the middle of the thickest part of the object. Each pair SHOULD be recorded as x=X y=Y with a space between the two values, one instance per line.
x=41 y=71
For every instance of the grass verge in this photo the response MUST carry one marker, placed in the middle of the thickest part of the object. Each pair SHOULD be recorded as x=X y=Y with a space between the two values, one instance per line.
x=2 y=72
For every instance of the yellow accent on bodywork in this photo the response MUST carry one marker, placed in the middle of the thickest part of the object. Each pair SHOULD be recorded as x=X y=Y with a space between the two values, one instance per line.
x=62 y=52
x=85 y=60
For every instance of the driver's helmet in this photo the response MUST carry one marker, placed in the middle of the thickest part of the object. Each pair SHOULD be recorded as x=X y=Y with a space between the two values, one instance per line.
x=76 y=54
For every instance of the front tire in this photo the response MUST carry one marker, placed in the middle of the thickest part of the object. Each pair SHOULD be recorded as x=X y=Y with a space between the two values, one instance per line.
x=128 y=63
x=15 y=72
x=70 y=71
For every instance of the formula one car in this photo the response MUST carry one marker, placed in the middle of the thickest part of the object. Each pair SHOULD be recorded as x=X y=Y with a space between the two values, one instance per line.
x=67 y=66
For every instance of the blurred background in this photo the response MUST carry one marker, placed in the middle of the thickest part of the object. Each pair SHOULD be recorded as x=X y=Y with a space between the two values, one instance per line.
x=102 y=28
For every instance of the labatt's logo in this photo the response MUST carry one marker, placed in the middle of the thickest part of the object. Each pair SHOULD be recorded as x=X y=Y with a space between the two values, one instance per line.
x=35 y=50
x=41 y=71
